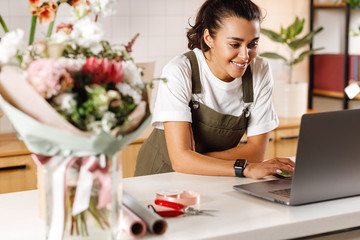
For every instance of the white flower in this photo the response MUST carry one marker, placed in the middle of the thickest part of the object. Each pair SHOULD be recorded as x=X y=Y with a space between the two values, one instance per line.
x=60 y=37
x=27 y=59
x=126 y=89
x=132 y=74
x=108 y=121
x=66 y=102
x=88 y=34
x=92 y=125
x=104 y=7
x=10 y=45
x=112 y=95
x=72 y=64
x=79 y=12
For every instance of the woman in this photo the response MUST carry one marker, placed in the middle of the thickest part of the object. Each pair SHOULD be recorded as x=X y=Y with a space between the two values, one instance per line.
x=214 y=94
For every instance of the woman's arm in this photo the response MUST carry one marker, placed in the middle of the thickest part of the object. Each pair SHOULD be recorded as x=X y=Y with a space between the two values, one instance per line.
x=253 y=151
x=180 y=144
x=181 y=149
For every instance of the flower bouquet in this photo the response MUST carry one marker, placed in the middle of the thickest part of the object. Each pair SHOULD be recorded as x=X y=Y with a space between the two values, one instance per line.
x=75 y=100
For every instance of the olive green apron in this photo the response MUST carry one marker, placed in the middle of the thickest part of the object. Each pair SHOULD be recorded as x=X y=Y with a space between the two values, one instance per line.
x=212 y=130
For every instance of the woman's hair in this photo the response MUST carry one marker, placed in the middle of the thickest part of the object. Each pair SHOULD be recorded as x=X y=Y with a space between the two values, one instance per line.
x=211 y=15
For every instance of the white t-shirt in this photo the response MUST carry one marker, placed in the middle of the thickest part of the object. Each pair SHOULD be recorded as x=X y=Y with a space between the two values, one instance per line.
x=173 y=96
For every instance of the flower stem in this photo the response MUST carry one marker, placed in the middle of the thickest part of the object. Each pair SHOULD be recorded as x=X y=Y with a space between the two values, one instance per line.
x=51 y=26
x=32 y=30
x=2 y=22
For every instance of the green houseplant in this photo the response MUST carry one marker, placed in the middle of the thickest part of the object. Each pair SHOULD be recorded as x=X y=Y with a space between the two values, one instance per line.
x=290 y=97
x=353 y=3
x=289 y=37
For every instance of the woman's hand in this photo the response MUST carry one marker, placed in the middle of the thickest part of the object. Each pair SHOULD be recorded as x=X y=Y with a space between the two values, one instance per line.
x=269 y=167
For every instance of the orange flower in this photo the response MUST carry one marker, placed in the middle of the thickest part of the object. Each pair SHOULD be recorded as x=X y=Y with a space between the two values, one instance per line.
x=35 y=3
x=46 y=13
x=75 y=3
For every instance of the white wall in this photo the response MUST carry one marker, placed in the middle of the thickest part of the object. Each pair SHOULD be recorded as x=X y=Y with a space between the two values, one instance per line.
x=162 y=26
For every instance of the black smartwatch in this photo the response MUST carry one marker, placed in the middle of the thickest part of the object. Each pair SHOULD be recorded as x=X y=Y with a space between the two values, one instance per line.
x=239 y=167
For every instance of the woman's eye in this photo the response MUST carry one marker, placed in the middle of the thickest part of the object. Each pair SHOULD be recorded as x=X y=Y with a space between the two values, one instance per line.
x=253 y=45
x=235 y=45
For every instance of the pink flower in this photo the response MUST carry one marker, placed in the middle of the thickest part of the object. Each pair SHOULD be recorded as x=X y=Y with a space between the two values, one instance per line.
x=66 y=28
x=48 y=77
x=103 y=70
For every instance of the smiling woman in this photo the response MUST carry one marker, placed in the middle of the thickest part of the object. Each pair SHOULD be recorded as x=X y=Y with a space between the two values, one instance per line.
x=213 y=95
x=232 y=54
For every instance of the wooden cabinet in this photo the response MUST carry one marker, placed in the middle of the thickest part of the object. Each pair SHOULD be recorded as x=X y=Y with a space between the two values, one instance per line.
x=128 y=158
x=283 y=140
x=286 y=142
x=17 y=169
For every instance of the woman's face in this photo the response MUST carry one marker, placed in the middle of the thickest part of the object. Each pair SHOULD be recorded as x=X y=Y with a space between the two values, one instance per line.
x=233 y=48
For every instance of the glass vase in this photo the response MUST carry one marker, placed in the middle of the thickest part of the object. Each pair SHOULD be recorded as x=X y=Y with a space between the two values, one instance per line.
x=93 y=222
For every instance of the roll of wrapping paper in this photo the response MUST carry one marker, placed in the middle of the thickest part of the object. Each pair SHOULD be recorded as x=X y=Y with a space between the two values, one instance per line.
x=132 y=224
x=155 y=224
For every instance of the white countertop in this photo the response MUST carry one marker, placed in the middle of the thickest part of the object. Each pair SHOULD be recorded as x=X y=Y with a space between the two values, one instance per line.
x=238 y=215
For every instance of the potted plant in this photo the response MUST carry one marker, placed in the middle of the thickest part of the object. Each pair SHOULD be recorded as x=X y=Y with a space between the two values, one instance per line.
x=353 y=3
x=290 y=98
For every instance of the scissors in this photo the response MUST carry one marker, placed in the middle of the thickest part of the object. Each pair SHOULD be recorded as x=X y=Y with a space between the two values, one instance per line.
x=179 y=209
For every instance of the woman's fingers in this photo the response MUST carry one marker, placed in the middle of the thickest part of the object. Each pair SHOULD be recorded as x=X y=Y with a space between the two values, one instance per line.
x=270 y=167
x=287 y=161
x=282 y=166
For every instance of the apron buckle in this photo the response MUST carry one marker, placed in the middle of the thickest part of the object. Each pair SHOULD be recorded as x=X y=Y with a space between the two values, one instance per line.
x=196 y=105
x=246 y=112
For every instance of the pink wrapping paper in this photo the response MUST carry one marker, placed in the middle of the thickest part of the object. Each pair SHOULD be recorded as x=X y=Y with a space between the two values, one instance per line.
x=132 y=224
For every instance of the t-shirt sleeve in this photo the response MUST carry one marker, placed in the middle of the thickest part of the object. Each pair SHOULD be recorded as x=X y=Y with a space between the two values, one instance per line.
x=174 y=94
x=263 y=117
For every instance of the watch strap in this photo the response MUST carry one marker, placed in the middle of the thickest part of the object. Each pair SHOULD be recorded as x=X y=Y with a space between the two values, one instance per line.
x=239 y=169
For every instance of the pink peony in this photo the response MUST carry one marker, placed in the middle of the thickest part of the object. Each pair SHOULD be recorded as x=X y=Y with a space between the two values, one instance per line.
x=48 y=77
x=103 y=70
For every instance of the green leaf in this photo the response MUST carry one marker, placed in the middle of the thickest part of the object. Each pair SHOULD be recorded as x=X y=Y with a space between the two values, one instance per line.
x=307 y=39
x=299 y=43
x=272 y=35
x=273 y=55
x=304 y=54
x=298 y=26
x=294 y=29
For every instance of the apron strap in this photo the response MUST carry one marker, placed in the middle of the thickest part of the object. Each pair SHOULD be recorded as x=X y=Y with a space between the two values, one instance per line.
x=195 y=76
x=247 y=83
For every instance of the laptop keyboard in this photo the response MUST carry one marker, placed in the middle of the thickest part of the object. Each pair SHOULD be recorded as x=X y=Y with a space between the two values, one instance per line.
x=282 y=192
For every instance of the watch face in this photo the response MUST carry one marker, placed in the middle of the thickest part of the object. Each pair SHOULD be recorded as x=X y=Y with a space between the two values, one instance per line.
x=240 y=163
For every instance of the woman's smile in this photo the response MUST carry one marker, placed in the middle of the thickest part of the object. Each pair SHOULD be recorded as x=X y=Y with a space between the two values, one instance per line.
x=239 y=65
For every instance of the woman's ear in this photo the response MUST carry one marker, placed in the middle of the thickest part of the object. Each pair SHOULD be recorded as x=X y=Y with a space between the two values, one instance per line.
x=207 y=38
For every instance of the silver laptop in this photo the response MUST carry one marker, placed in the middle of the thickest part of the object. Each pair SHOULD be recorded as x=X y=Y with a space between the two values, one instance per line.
x=327 y=162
